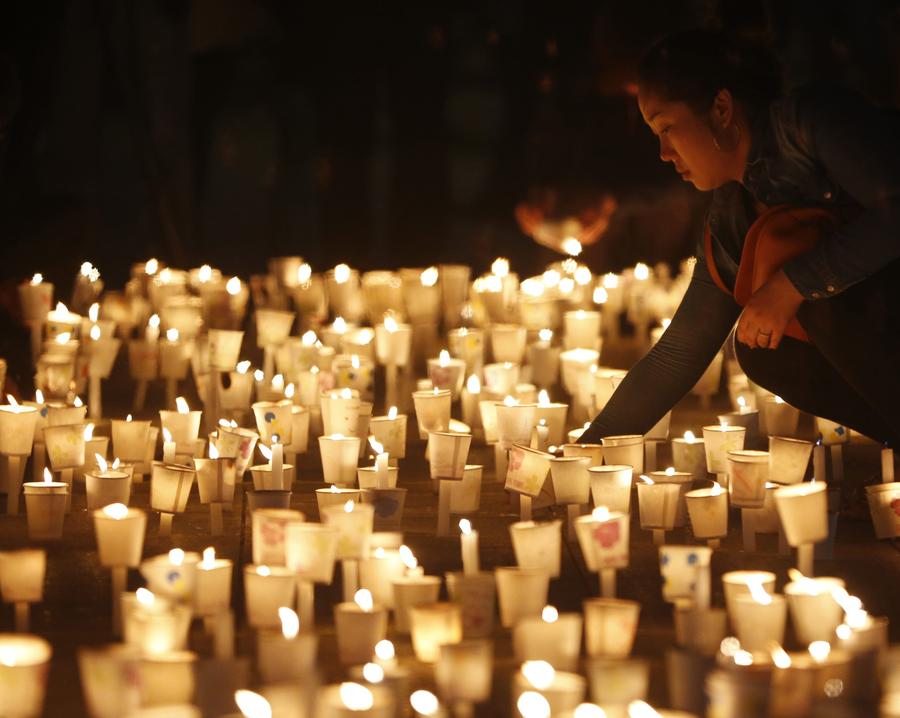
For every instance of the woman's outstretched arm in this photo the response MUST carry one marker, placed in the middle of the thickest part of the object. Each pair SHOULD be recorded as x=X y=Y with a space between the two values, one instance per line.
x=671 y=368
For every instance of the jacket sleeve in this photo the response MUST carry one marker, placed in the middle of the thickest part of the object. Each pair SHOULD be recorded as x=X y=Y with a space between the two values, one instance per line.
x=858 y=146
x=671 y=368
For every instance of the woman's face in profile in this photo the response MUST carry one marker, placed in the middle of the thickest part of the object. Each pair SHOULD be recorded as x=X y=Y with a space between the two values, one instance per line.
x=685 y=140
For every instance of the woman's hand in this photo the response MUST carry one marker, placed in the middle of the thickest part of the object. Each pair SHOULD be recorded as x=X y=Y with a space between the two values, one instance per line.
x=766 y=315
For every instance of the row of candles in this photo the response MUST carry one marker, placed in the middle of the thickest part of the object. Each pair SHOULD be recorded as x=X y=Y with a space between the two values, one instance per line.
x=524 y=464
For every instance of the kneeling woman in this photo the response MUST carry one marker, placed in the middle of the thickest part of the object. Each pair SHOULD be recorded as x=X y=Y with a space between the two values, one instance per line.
x=801 y=244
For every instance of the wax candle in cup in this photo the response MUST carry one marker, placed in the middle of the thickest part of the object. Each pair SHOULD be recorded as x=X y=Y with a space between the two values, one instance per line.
x=526 y=474
x=803 y=511
x=170 y=487
x=310 y=551
x=24 y=664
x=107 y=484
x=268 y=528
x=463 y=673
x=686 y=574
x=610 y=625
x=718 y=441
x=359 y=625
x=759 y=618
x=788 y=459
x=153 y=624
x=538 y=545
x=432 y=411
x=120 y=540
x=285 y=654
x=737 y=583
x=689 y=454
x=708 y=511
x=354 y=523
x=603 y=538
x=539 y=689
x=543 y=358
x=22 y=575
x=782 y=419
x=433 y=625
x=45 y=506
x=212 y=591
x=553 y=637
x=390 y=432
x=267 y=588
x=657 y=504
x=447 y=373
x=521 y=592
x=17 y=432
x=684 y=481
x=340 y=456
x=508 y=342
x=65 y=449
x=625 y=450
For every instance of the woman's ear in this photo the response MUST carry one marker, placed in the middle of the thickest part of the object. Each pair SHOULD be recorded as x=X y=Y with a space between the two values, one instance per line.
x=722 y=112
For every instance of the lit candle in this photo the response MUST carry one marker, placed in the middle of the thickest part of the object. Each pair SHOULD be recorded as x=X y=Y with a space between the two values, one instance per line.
x=285 y=654
x=120 y=541
x=45 y=506
x=469 y=544
x=708 y=511
x=381 y=464
x=24 y=664
x=360 y=625
x=168 y=447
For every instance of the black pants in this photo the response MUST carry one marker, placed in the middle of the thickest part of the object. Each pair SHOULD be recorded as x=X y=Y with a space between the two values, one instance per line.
x=850 y=370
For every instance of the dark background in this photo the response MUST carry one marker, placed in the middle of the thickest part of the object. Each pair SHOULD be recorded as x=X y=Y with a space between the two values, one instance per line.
x=380 y=134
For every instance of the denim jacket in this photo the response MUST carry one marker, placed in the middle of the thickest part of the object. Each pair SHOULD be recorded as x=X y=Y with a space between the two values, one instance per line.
x=825 y=147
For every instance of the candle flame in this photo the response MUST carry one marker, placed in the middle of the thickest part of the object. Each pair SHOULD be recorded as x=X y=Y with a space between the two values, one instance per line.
x=543 y=398
x=539 y=674
x=646 y=479
x=583 y=276
x=741 y=402
x=779 y=400
x=101 y=463
x=743 y=658
x=377 y=447
x=172 y=335
x=63 y=338
x=233 y=286
x=392 y=413
x=61 y=308
x=167 y=435
x=37 y=279
x=95 y=333
x=290 y=622
x=384 y=650
x=429 y=277
x=532 y=704
x=545 y=335
x=500 y=267
x=571 y=246
x=334 y=489
x=304 y=273
x=465 y=526
x=640 y=709
x=89 y=271
x=209 y=559
x=356 y=697
x=182 y=405
x=38 y=397
x=349 y=506
x=363 y=599
x=390 y=324
x=510 y=401
x=444 y=358
x=354 y=361
x=723 y=424
x=289 y=391
x=780 y=657
x=588 y=710
x=373 y=673
x=758 y=592
x=689 y=437
x=309 y=338
x=151 y=266
x=473 y=384
x=129 y=418
x=265 y=451
x=204 y=274
x=258 y=375
x=78 y=402
x=243 y=366
x=213 y=451
x=339 y=326
x=116 y=511
x=341 y=273
x=716 y=489
x=549 y=614
x=115 y=463
x=641 y=271
x=153 y=321
x=252 y=705
x=176 y=557
x=819 y=650
x=11 y=400
x=145 y=597
x=601 y=513
x=408 y=557
x=263 y=571
x=424 y=703
x=670 y=471
x=48 y=477
x=94 y=312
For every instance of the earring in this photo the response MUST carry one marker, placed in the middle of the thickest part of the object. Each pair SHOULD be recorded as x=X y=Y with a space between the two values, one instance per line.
x=737 y=140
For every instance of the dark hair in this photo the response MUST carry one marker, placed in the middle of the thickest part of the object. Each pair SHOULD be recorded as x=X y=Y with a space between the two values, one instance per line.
x=691 y=66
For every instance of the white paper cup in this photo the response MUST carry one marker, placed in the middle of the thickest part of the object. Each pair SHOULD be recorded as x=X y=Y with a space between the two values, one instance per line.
x=616 y=682
x=108 y=487
x=22 y=574
x=718 y=441
x=689 y=456
x=130 y=439
x=682 y=569
x=593 y=451
x=814 y=613
x=527 y=470
x=748 y=472
x=23 y=674
x=354 y=529
x=883 y=501
x=274 y=418
x=268 y=534
x=216 y=479
x=788 y=459
x=803 y=511
x=340 y=455
x=447 y=454
x=501 y=378
x=522 y=592
x=603 y=542
x=625 y=450
x=170 y=487
x=757 y=625
x=17 y=430
x=610 y=625
x=558 y=643
x=515 y=424
x=266 y=589
x=310 y=551
x=358 y=631
x=736 y=583
x=708 y=511
x=432 y=626
x=611 y=486
x=658 y=505
x=571 y=480
x=224 y=348
x=476 y=593
x=432 y=411
x=184 y=428
x=45 y=507
x=538 y=545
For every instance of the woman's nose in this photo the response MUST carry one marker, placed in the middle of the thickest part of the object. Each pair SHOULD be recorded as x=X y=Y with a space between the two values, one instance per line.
x=666 y=154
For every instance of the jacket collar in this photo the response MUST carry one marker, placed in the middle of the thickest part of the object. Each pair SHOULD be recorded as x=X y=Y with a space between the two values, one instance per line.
x=763 y=147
